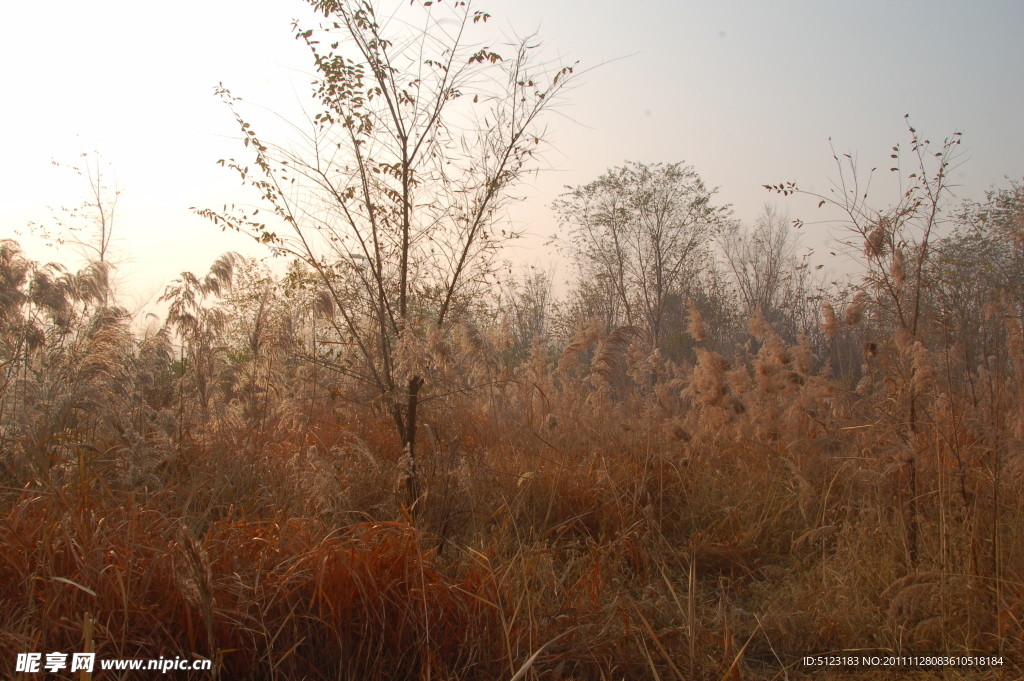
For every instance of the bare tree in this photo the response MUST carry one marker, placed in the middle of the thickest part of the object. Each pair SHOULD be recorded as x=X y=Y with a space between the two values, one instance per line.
x=393 y=192
x=89 y=227
x=768 y=274
x=894 y=244
x=641 y=233
x=761 y=259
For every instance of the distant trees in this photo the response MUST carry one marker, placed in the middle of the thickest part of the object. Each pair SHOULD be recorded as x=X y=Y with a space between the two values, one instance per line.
x=527 y=307
x=766 y=271
x=640 y=236
x=994 y=230
x=976 y=278
x=392 y=194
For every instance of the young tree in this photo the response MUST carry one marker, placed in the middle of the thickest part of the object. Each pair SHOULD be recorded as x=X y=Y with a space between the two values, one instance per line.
x=894 y=244
x=393 y=192
x=641 y=233
x=89 y=227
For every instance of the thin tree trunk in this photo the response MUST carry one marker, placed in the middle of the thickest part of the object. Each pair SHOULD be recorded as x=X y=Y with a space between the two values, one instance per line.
x=407 y=429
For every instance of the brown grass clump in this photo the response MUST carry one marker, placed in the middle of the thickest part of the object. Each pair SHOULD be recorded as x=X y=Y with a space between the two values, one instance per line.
x=829 y=325
x=854 y=312
x=695 y=323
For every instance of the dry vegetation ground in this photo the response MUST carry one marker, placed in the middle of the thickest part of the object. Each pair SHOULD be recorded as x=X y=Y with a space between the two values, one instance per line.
x=604 y=514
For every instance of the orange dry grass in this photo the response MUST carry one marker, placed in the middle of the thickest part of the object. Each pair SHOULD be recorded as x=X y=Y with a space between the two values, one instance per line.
x=285 y=597
x=615 y=516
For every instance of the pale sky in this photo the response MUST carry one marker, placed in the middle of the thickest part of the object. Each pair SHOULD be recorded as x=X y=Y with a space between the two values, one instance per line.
x=747 y=92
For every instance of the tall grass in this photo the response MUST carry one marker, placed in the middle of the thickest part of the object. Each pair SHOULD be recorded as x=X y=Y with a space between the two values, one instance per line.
x=596 y=513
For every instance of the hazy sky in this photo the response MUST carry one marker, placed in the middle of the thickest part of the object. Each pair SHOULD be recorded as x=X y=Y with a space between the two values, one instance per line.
x=747 y=92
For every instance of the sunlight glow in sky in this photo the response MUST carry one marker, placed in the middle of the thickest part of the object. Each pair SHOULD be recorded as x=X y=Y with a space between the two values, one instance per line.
x=748 y=92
